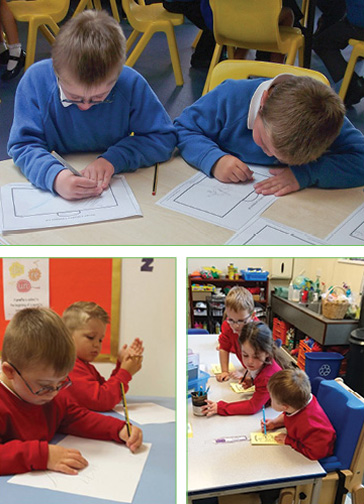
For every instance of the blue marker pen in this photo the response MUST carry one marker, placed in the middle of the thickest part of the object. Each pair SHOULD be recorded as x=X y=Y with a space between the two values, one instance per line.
x=265 y=428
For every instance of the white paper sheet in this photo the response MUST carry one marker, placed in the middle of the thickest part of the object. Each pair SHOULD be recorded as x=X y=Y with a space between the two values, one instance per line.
x=25 y=207
x=228 y=205
x=267 y=232
x=350 y=231
x=113 y=472
x=147 y=413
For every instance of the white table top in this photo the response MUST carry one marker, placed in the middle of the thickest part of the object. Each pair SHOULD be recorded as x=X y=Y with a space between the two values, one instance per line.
x=314 y=211
x=228 y=466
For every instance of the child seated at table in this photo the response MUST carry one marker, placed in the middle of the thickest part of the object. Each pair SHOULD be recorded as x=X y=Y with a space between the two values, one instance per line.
x=289 y=120
x=239 y=310
x=259 y=358
x=87 y=322
x=37 y=355
x=85 y=100
x=309 y=431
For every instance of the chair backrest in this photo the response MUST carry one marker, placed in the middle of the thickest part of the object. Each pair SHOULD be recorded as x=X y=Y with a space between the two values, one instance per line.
x=246 y=23
x=23 y=10
x=243 y=69
x=196 y=330
x=346 y=413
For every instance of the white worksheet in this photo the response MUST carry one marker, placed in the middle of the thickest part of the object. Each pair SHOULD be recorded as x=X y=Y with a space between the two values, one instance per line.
x=24 y=207
x=350 y=231
x=147 y=413
x=267 y=232
x=227 y=205
x=113 y=472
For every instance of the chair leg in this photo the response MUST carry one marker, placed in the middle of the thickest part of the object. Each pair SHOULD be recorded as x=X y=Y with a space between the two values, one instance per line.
x=173 y=50
x=348 y=73
x=291 y=56
x=357 y=495
x=81 y=6
x=131 y=39
x=46 y=32
x=139 y=48
x=214 y=61
x=114 y=10
x=230 y=52
x=197 y=39
x=31 y=42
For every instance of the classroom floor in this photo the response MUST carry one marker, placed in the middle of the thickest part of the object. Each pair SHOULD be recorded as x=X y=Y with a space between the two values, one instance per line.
x=155 y=65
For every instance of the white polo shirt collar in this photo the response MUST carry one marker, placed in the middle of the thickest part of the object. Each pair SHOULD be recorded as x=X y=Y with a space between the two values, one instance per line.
x=257 y=97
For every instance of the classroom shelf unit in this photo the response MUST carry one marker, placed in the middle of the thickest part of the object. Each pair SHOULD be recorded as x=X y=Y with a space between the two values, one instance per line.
x=206 y=309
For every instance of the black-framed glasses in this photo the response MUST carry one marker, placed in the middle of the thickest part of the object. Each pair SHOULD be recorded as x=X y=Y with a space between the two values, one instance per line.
x=47 y=388
x=238 y=322
x=87 y=102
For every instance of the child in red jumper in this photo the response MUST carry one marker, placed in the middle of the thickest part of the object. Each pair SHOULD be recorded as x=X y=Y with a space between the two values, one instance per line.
x=309 y=431
x=239 y=309
x=37 y=355
x=258 y=354
x=87 y=323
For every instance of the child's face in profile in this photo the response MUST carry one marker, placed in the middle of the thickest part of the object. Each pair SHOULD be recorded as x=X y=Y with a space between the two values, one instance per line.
x=252 y=360
x=35 y=379
x=237 y=319
x=261 y=137
x=88 y=339
x=77 y=92
x=276 y=405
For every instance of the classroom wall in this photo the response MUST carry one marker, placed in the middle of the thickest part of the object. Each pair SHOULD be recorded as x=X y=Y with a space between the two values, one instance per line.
x=148 y=312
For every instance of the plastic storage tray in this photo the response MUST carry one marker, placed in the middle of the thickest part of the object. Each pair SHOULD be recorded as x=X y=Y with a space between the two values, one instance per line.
x=254 y=274
x=200 y=381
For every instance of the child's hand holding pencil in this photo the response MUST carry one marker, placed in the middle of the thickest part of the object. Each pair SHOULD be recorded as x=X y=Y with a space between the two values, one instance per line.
x=134 y=441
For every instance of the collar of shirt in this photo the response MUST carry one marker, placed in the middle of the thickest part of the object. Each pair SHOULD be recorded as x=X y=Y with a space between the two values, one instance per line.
x=62 y=96
x=9 y=389
x=295 y=412
x=257 y=97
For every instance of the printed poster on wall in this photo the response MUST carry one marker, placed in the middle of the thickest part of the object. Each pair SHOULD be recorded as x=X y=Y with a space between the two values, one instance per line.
x=25 y=284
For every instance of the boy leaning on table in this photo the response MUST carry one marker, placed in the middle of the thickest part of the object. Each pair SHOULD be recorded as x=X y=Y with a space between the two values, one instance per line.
x=85 y=100
x=38 y=353
x=289 y=120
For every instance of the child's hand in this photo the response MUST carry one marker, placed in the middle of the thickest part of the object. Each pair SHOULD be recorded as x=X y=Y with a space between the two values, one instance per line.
x=210 y=408
x=65 y=460
x=269 y=424
x=280 y=438
x=246 y=382
x=224 y=376
x=99 y=171
x=136 y=437
x=137 y=347
x=283 y=182
x=132 y=363
x=230 y=169
x=71 y=187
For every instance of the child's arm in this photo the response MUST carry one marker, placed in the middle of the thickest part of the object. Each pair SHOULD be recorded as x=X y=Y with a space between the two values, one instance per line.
x=273 y=423
x=224 y=363
x=260 y=397
x=22 y=456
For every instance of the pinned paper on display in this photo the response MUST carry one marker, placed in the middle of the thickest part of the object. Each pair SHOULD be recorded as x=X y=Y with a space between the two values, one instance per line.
x=25 y=284
x=216 y=368
x=239 y=389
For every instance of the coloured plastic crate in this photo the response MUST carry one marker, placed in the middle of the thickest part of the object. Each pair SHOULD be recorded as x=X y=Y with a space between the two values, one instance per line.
x=200 y=381
x=254 y=274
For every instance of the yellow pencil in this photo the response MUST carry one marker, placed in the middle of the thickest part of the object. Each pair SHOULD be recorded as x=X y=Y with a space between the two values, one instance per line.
x=125 y=409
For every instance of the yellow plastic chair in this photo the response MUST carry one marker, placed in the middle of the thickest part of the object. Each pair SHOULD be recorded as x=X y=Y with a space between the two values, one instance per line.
x=252 y=25
x=42 y=14
x=96 y=4
x=149 y=19
x=358 y=50
x=243 y=69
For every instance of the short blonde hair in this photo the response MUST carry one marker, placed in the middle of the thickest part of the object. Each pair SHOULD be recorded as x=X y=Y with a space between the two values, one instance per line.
x=78 y=314
x=290 y=387
x=90 y=46
x=38 y=336
x=302 y=117
x=239 y=298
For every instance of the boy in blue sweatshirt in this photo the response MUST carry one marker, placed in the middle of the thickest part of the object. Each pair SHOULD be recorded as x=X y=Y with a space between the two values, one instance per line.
x=289 y=120
x=85 y=100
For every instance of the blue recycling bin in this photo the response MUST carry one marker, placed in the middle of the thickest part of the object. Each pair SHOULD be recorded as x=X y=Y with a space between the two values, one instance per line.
x=326 y=365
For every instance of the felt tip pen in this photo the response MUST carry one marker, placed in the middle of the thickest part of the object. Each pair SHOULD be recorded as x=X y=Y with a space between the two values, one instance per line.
x=265 y=427
x=231 y=439
x=66 y=164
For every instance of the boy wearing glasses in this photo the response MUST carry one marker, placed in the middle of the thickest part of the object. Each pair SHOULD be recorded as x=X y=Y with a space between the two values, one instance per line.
x=239 y=310
x=37 y=355
x=85 y=100
x=87 y=322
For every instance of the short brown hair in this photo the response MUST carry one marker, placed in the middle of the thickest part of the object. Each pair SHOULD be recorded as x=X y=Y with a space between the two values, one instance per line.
x=90 y=46
x=79 y=313
x=291 y=387
x=302 y=117
x=38 y=336
x=239 y=298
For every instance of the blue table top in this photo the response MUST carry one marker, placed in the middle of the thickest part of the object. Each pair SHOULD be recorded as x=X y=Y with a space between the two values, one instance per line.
x=159 y=474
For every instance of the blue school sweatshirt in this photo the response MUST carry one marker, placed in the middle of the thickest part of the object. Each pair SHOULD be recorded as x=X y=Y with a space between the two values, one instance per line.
x=216 y=125
x=42 y=124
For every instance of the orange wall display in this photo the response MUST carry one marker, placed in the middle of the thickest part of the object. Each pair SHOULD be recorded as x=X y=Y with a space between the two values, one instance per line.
x=74 y=280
